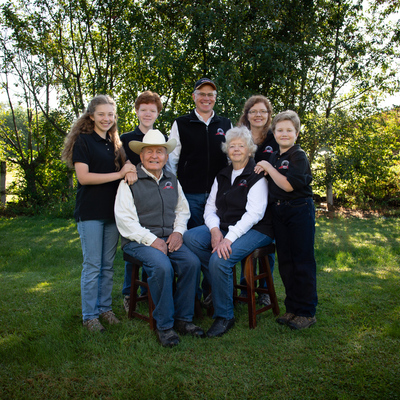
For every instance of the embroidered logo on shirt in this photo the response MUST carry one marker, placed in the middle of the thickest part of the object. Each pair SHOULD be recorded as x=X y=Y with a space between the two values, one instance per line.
x=284 y=165
x=268 y=149
x=168 y=185
x=220 y=132
x=243 y=182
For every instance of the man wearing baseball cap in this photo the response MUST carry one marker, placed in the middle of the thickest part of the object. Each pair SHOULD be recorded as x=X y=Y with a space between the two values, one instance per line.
x=151 y=216
x=198 y=157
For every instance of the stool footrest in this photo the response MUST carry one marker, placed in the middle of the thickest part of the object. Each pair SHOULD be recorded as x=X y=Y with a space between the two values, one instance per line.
x=260 y=255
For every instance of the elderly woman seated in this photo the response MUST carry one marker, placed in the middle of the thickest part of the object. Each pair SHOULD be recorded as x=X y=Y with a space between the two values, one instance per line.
x=236 y=223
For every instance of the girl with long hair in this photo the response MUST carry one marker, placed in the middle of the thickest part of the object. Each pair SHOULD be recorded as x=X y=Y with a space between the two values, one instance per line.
x=94 y=149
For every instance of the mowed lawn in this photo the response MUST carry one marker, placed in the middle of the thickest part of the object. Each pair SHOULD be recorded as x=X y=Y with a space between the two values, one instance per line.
x=353 y=352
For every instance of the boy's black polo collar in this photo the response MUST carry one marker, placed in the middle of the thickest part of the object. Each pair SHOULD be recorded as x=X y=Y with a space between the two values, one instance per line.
x=294 y=148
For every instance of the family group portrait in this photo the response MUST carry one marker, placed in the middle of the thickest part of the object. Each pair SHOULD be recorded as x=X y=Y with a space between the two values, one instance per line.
x=200 y=200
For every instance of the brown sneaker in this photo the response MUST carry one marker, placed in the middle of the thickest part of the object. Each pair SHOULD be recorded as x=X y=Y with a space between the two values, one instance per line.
x=127 y=299
x=285 y=318
x=299 y=323
x=94 y=325
x=110 y=317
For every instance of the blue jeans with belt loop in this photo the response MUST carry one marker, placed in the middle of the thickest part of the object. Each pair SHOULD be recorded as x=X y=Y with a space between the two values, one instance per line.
x=99 y=239
x=294 y=228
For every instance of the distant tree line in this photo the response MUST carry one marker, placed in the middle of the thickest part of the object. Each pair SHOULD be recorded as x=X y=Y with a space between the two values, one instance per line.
x=330 y=61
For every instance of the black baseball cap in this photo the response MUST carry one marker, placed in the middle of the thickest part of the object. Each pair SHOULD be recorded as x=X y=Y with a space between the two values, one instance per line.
x=204 y=81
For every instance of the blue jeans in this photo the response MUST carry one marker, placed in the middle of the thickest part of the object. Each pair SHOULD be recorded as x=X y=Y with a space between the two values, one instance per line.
x=197 y=203
x=126 y=288
x=294 y=228
x=160 y=269
x=99 y=240
x=218 y=270
x=262 y=283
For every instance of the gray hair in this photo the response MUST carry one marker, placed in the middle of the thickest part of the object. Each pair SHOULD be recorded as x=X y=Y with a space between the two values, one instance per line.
x=239 y=132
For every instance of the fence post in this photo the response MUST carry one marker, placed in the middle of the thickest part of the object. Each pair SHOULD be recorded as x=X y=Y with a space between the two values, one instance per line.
x=3 y=182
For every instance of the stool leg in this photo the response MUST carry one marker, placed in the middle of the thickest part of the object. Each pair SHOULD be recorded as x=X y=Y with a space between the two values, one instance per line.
x=251 y=295
x=133 y=293
x=152 y=321
x=270 y=285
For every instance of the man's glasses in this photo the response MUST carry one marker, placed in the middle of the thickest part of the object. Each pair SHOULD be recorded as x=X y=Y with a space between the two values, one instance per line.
x=203 y=95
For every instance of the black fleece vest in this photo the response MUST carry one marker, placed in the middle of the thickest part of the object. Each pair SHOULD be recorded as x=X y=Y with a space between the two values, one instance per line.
x=201 y=156
x=231 y=199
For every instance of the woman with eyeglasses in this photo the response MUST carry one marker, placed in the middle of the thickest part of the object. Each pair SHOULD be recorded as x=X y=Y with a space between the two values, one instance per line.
x=257 y=117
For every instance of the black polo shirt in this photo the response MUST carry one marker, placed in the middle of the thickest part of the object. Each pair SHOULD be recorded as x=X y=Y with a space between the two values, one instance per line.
x=126 y=138
x=295 y=166
x=266 y=148
x=137 y=135
x=94 y=202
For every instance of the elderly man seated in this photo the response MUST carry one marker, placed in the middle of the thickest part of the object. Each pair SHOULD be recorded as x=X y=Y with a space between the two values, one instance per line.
x=151 y=217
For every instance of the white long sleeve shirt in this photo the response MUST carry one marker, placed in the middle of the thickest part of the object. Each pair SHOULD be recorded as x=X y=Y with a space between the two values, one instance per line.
x=257 y=201
x=127 y=218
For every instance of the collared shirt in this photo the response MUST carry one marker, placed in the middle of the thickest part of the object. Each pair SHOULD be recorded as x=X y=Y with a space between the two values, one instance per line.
x=128 y=220
x=172 y=164
x=95 y=202
x=293 y=164
x=257 y=201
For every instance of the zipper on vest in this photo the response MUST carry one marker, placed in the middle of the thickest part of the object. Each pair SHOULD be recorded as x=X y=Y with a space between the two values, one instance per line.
x=162 y=210
x=208 y=158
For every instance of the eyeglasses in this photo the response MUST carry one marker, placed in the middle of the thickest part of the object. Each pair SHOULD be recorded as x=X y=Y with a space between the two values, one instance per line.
x=255 y=112
x=203 y=95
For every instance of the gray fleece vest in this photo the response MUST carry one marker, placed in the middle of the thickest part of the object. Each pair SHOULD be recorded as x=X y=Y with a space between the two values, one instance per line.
x=155 y=203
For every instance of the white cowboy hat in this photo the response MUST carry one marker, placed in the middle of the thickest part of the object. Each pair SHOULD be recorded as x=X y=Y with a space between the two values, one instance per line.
x=152 y=138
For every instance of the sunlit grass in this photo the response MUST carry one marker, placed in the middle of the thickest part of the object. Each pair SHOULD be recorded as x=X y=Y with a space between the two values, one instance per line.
x=353 y=352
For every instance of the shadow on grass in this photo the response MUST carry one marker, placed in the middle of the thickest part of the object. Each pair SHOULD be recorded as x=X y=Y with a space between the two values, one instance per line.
x=351 y=353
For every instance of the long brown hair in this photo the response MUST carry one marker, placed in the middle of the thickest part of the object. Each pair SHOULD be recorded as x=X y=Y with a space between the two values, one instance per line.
x=85 y=125
x=244 y=120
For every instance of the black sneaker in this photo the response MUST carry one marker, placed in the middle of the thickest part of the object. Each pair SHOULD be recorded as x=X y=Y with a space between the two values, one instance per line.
x=184 y=328
x=168 y=338
x=264 y=299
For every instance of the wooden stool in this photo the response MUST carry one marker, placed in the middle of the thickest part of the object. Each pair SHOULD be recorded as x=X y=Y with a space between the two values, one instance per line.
x=134 y=299
x=260 y=254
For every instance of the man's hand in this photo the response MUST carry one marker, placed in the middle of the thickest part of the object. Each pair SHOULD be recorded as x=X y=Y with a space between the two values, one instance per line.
x=223 y=249
x=216 y=237
x=174 y=241
x=159 y=244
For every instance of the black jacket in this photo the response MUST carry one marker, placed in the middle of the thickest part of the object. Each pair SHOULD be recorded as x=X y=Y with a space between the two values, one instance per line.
x=201 y=156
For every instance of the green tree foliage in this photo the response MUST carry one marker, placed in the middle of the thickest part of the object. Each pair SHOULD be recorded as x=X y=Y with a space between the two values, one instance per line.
x=364 y=160
x=321 y=58
x=32 y=145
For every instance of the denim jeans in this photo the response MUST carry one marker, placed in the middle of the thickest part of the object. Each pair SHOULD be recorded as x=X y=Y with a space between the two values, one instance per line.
x=99 y=240
x=160 y=269
x=197 y=203
x=218 y=270
x=126 y=288
x=262 y=283
x=294 y=228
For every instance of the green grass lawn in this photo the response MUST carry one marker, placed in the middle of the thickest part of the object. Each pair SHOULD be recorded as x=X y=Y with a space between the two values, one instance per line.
x=353 y=352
